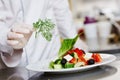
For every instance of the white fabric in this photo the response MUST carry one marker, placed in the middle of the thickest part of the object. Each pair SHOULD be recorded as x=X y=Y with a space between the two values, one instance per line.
x=29 y=11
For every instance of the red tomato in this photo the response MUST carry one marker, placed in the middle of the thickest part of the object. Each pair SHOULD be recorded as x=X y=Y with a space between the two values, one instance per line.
x=82 y=59
x=79 y=52
x=70 y=51
x=97 y=57
x=74 y=60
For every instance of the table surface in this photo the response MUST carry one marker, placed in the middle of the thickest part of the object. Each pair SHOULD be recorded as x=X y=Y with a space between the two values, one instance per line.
x=106 y=72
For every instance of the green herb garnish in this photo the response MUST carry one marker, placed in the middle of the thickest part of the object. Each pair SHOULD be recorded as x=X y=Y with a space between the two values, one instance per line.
x=44 y=27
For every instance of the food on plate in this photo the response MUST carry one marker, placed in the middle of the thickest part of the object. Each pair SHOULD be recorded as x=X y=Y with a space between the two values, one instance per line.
x=70 y=57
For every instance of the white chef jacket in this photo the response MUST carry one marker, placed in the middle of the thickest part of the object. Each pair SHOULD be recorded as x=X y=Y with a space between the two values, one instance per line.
x=29 y=11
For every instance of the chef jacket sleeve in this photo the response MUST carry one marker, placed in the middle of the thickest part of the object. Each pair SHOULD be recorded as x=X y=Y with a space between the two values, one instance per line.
x=6 y=20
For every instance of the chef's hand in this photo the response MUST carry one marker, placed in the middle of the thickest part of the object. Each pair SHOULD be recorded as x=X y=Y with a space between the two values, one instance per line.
x=19 y=35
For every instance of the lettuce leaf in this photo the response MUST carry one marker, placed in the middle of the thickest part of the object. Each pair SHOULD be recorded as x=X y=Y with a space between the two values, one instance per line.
x=66 y=45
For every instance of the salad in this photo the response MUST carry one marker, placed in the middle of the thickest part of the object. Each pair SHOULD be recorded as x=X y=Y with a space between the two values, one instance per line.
x=70 y=57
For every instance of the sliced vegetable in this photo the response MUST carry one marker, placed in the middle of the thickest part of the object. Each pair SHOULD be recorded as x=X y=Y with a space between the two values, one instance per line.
x=70 y=52
x=57 y=66
x=69 y=65
x=97 y=57
x=75 y=55
x=74 y=61
x=79 y=52
x=82 y=59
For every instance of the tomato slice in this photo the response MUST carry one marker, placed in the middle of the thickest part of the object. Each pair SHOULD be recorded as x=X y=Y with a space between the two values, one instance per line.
x=79 y=52
x=82 y=59
x=70 y=52
x=74 y=61
x=97 y=57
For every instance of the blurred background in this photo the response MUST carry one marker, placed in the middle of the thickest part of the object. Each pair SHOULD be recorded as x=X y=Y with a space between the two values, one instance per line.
x=99 y=20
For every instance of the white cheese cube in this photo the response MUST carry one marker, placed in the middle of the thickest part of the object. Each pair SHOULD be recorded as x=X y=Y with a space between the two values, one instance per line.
x=68 y=57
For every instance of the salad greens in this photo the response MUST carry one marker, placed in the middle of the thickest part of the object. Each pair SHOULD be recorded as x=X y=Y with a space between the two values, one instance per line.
x=66 y=45
x=44 y=27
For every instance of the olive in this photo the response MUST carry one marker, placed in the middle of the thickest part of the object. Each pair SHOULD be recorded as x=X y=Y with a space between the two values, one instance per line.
x=63 y=61
x=91 y=61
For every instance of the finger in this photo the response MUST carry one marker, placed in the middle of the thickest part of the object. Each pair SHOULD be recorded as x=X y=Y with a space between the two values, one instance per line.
x=14 y=36
x=25 y=26
x=20 y=30
x=12 y=42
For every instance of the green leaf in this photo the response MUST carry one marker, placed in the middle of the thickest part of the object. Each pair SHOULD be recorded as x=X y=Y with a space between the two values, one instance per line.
x=66 y=45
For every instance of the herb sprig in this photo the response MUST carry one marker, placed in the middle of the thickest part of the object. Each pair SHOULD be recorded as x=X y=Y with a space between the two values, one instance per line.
x=44 y=26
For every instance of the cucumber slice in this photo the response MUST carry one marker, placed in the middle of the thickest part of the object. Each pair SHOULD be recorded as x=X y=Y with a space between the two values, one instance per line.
x=75 y=55
x=57 y=66
x=69 y=65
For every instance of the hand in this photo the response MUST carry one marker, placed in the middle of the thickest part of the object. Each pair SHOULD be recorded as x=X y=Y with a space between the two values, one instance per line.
x=19 y=35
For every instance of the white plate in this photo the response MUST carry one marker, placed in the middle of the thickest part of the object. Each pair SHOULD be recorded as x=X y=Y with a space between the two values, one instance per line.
x=43 y=66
